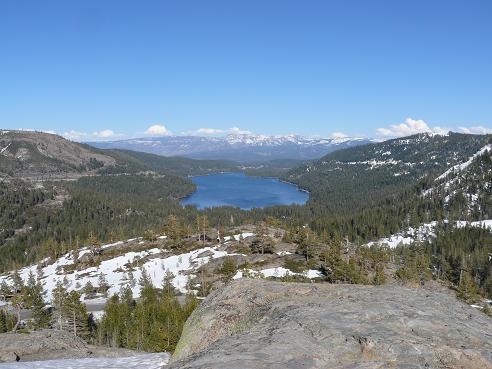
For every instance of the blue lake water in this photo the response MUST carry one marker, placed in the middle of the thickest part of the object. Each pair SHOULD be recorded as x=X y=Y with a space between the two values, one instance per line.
x=242 y=191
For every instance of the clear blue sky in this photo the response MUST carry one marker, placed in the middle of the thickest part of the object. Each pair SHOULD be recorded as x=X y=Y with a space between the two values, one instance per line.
x=271 y=67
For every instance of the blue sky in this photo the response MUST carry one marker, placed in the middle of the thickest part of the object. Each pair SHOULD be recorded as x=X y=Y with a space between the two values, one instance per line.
x=110 y=69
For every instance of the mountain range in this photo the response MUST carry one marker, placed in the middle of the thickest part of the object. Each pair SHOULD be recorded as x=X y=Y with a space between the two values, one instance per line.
x=244 y=148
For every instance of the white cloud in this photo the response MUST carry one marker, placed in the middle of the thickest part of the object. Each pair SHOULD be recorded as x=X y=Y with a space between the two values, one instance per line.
x=477 y=130
x=84 y=136
x=410 y=127
x=339 y=135
x=26 y=129
x=209 y=131
x=238 y=131
x=75 y=135
x=105 y=133
x=158 y=130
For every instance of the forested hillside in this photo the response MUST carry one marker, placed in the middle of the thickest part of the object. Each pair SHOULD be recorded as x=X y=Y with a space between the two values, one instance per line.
x=374 y=190
x=176 y=165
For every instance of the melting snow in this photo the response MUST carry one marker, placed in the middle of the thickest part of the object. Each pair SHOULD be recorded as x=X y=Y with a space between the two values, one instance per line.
x=424 y=232
x=115 y=269
x=466 y=164
x=148 y=361
x=275 y=272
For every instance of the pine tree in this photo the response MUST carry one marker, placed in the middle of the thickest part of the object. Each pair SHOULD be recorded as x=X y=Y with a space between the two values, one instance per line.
x=17 y=281
x=93 y=243
x=60 y=295
x=30 y=289
x=17 y=302
x=167 y=283
x=3 y=321
x=172 y=228
x=467 y=289
x=76 y=315
x=203 y=227
x=379 y=276
x=103 y=284
x=88 y=290
x=131 y=279
x=228 y=268
x=262 y=242
x=305 y=240
x=41 y=316
x=150 y=235
x=5 y=289
x=144 y=280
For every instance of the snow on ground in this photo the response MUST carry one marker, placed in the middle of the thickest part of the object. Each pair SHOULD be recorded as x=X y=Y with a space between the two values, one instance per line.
x=238 y=237
x=5 y=148
x=466 y=164
x=424 y=232
x=479 y=224
x=115 y=269
x=278 y=272
x=147 y=361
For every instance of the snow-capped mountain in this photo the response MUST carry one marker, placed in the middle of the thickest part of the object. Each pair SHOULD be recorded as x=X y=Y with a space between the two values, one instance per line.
x=238 y=147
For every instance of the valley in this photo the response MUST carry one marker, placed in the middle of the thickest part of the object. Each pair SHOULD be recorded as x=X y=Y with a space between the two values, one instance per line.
x=106 y=238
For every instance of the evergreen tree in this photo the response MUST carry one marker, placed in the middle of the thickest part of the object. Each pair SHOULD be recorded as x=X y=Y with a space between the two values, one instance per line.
x=228 y=268
x=40 y=314
x=262 y=242
x=150 y=235
x=144 y=280
x=60 y=296
x=167 y=283
x=88 y=290
x=131 y=279
x=103 y=284
x=172 y=228
x=5 y=289
x=203 y=226
x=379 y=276
x=93 y=243
x=76 y=315
x=467 y=289
x=3 y=321
x=17 y=281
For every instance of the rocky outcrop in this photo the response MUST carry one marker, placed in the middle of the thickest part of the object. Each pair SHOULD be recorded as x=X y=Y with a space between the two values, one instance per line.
x=44 y=343
x=50 y=344
x=265 y=324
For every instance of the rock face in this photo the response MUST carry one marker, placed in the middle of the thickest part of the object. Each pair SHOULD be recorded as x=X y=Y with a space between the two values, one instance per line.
x=264 y=324
x=50 y=344
x=41 y=344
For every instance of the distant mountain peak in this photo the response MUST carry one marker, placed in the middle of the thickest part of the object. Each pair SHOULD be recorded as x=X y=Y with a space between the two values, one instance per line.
x=243 y=147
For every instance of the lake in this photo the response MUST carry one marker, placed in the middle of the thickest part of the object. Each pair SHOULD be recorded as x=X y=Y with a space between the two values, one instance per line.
x=242 y=191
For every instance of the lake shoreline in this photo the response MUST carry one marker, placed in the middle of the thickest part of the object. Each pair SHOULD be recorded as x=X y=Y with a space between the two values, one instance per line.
x=221 y=199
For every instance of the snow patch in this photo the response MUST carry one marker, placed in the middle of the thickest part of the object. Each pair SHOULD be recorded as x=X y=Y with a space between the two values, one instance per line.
x=148 y=361
x=278 y=272
x=466 y=164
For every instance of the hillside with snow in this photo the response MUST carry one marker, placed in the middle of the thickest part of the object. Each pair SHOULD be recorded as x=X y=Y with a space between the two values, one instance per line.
x=357 y=177
x=426 y=232
x=466 y=187
x=123 y=263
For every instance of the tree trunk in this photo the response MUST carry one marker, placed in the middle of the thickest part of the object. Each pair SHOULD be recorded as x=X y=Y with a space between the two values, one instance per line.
x=18 y=318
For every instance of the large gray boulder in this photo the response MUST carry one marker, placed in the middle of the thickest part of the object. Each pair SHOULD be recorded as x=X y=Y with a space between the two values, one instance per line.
x=39 y=345
x=50 y=344
x=265 y=324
